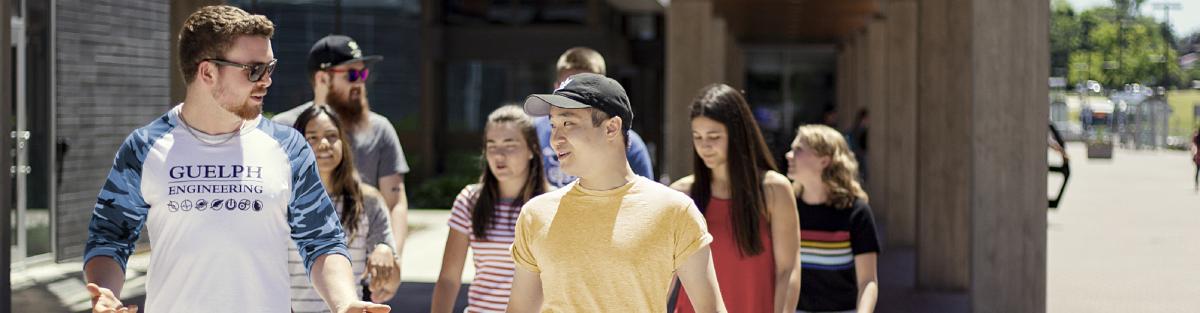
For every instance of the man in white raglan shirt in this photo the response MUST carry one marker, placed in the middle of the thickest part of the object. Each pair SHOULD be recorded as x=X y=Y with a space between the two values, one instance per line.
x=219 y=189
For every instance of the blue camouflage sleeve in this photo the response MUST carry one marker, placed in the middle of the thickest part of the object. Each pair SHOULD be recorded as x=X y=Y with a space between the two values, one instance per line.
x=120 y=210
x=314 y=222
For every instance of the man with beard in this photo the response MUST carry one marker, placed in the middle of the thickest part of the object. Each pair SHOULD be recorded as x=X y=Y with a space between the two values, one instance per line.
x=218 y=249
x=338 y=72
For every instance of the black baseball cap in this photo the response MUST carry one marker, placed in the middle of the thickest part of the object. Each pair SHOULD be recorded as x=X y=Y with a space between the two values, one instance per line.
x=334 y=50
x=585 y=90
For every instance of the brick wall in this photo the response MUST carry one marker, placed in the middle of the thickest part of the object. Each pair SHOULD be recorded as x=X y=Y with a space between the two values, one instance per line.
x=112 y=77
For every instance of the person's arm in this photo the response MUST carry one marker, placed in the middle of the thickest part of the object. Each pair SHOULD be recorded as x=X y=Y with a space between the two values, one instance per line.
x=526 y=292
x=383 y=265
x=864 y=244
x=868 y=284
x=699 y=278
x=785 y=241
x=392 y=166
x=692 y=260
x=332 y=277
x=394 y=194
x=116 y=224
x=317 y=231
x=105 y=279
x=445 y=292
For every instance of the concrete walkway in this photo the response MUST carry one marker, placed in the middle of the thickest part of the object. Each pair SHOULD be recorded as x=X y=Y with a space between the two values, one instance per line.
x=1125 y=238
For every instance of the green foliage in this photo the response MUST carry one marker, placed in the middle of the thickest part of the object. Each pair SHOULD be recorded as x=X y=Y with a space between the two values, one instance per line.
x=462 y=169
x=1113 y=45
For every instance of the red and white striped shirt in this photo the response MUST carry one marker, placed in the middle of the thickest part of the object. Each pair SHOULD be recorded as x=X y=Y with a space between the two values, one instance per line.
x=494 y=267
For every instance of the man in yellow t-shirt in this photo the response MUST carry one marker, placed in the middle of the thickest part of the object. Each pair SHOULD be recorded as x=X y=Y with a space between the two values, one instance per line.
x=611 y=240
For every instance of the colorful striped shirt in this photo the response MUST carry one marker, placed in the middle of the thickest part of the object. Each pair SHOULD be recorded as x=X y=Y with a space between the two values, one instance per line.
x=829 y=240
x=494 y=267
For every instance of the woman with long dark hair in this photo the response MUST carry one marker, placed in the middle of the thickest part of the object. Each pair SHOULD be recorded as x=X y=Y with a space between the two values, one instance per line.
x=840 y=246
x=484 y=215
x=360 y=207
x=748 y=206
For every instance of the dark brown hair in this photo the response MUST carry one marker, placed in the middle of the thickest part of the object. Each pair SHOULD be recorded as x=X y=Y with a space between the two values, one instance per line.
x=482 y=214
x=747 y=160
x=345 y=180
x=210 y=32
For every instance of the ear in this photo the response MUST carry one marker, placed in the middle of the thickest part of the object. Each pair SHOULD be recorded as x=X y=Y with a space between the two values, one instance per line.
x=825 y=162
x=207 y=72
x=612 y=128
x=323 y=77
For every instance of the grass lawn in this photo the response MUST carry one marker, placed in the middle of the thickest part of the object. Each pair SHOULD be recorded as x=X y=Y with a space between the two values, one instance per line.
x=1182 y=101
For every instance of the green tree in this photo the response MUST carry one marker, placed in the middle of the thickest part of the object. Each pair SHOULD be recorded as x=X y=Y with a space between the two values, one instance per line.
x=1119 y=46
x=1066 y=35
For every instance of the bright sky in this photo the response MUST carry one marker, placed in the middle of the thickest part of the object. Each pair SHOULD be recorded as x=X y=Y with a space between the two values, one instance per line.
x=1184 y=21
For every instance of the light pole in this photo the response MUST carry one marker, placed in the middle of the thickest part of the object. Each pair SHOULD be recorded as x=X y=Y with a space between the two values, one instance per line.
x=1166 y=7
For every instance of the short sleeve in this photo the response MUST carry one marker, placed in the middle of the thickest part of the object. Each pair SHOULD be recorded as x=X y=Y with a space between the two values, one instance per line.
x=380 y=223
x=522 y=239
x=691 y=233
x=391 y=154
x=460 y=211
x=863 y=238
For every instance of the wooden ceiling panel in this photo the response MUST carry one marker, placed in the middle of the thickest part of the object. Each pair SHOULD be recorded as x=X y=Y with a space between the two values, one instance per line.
x=795 y=20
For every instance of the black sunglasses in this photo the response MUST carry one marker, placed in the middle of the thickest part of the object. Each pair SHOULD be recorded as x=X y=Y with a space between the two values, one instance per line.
x=257 y=70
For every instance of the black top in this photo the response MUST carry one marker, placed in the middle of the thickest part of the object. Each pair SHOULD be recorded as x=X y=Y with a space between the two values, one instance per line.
x=830 y=238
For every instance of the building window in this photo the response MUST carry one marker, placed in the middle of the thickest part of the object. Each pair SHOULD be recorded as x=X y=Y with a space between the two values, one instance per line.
x=390 y=28
x=474 y=88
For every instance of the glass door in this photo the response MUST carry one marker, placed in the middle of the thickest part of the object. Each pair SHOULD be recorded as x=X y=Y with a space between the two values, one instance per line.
x=31 y=122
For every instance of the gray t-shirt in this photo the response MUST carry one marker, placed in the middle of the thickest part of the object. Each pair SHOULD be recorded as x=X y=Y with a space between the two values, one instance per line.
x=377 y=150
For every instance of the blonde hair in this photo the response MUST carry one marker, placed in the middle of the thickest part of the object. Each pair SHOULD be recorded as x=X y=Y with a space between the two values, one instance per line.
x=210 y=32
x=840 y=175
x=582 y=59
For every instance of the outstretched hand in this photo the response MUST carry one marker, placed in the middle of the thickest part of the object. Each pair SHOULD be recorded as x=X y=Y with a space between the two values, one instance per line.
x=103 y=301
x=364 y=307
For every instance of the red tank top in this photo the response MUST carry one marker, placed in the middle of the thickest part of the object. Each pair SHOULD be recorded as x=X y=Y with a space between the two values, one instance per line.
x=747 y=282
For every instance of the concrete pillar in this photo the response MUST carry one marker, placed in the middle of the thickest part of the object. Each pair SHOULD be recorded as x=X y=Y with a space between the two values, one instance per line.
x=854 y=81
x=898 y=136
x=862 y=85
x=735 y=62
x=718 y=47
x=694 y=60
x=982 y=162
x=877 y=106
x=180 y=10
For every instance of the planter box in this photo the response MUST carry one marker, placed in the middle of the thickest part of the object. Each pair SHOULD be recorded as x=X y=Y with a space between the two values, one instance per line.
x=1099 y=150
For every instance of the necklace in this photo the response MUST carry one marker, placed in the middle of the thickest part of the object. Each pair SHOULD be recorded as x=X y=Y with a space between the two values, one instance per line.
x=201 y=139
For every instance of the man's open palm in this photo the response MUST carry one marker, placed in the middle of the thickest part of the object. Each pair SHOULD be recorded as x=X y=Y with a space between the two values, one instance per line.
x=365 y=307
x=103 y=301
